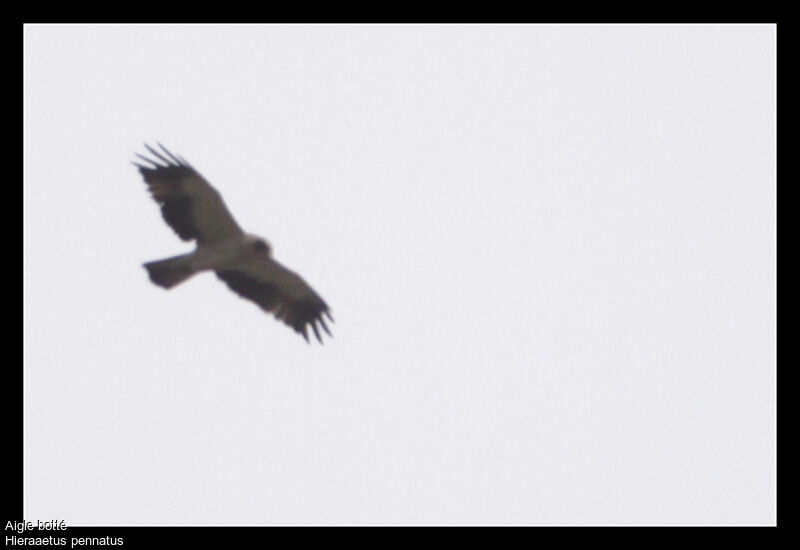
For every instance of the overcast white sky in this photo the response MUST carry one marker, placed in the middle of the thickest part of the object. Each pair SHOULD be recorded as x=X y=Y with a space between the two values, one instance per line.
x=550 y=252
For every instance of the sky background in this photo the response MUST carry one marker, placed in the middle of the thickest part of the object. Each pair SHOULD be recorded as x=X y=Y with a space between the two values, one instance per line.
x=550 y=252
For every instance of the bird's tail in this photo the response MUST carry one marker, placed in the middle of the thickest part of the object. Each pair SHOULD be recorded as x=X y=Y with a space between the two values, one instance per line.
x=170 y=271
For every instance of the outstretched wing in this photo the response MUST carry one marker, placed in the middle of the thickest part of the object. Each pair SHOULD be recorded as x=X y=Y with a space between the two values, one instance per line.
x=189 y=204
x=279 y=291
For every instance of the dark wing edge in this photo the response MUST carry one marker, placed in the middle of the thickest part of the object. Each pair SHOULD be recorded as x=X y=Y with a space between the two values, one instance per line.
x=163 y=180
x=297 y=314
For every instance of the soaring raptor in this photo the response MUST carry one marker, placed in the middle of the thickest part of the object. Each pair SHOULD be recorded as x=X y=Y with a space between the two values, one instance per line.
x=196 y=212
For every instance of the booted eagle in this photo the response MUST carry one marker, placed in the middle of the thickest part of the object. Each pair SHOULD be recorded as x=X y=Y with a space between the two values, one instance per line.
x=196 y=212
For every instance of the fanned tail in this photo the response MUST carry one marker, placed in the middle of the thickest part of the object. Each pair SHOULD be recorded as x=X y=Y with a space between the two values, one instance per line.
x=170 y=272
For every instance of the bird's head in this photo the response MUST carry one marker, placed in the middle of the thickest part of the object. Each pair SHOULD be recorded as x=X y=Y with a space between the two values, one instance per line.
x=257 y=245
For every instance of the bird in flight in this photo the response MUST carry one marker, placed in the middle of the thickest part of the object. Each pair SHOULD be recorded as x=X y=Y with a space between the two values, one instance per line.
x=196 y=212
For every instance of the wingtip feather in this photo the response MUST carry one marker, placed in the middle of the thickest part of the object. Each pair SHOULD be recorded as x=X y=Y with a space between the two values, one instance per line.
x=316 y=331
x=324 y=326
x=149 y=161
x=174 y=158
x=159 y=155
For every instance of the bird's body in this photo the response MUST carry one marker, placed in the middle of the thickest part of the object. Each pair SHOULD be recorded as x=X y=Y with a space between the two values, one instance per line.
x=195 y=210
